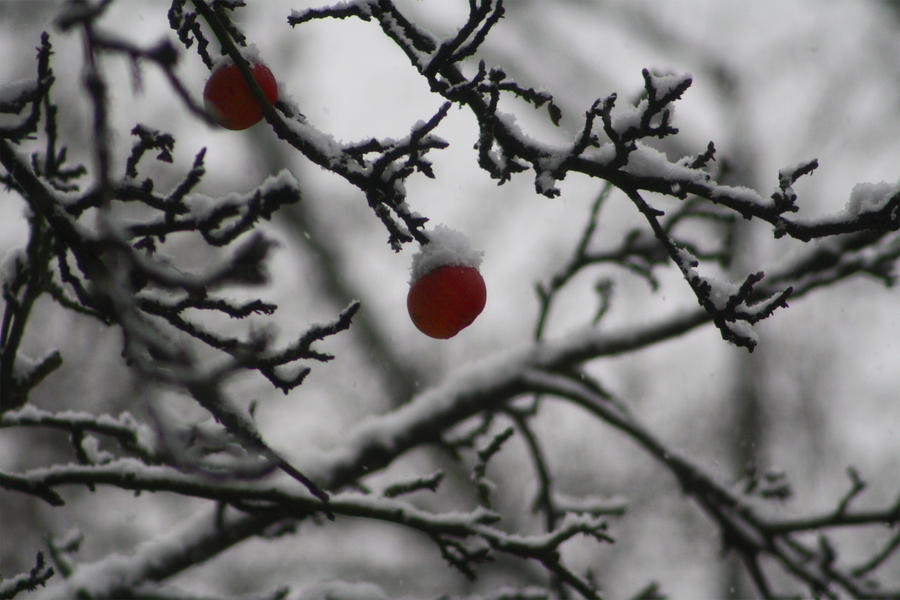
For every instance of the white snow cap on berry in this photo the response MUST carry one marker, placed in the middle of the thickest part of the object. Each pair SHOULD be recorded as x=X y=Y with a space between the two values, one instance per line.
x=445 y=247
x=251 y=54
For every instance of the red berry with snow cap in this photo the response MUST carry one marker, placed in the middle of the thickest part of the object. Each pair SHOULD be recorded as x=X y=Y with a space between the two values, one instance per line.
x=227 y=96
x=446 y=300
x=446 y=292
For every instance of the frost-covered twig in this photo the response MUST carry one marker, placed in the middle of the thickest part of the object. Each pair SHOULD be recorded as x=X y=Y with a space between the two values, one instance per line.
x=94 y=255
x=131 y=435
x=376 y=442
x=173 y=551
x=10 y=587
x=626 y=160
x=116 y=271
x=741 y=527
x=24 y=278
x=729 y=305
x=16 y=97
x=636 y=251
x=381 y=178
x=473 y=530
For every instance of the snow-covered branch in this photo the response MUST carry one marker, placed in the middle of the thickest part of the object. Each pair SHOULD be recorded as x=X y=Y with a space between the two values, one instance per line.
x=85 y=256
x=625 y=159
x=741 y=527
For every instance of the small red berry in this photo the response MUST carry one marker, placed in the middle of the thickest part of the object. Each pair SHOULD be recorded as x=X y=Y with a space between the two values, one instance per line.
x=227 y=96
x=445 y=300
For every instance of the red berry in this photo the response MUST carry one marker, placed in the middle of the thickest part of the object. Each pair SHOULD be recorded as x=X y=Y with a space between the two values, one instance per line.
x=227 y=96
x=444 y=301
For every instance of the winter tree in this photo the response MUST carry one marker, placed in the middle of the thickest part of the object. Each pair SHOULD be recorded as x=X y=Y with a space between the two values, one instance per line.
x=683 y=380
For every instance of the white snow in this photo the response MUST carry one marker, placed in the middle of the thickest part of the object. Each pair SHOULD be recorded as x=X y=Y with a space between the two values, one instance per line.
x=686 y=260
x=31 y=415
x=603 y=155
x=546 y=169
x=645 y=161
x=250 y=53
x=25 y=365
x=327 y=146
x=343 y=4
x=12 y=91
x=446 y=246
x=201 y=206
x=94 y=452
x=396 y=30
x=281 y=179
x=13 y=262
x=628 y=116
x=664 y=84
x=744 y=330
x=870 y=197
x=460 y=395
x=104 y=576
x=737 y=192
x=544 y=184
x=720 y=291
